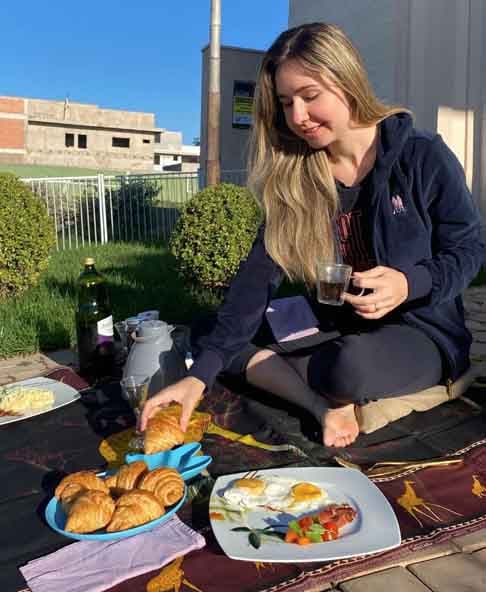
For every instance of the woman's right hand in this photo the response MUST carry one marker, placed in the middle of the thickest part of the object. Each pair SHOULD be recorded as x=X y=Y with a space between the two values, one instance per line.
x=187 y=392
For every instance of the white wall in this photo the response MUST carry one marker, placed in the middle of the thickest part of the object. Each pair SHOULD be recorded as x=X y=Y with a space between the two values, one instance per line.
x=370 y=24
x=429 y=55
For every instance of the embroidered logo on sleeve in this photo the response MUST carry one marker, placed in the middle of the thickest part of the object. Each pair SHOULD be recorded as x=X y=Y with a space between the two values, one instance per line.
x=397 y=205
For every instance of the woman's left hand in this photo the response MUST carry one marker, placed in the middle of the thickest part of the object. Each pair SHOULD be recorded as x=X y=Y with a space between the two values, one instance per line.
x=389 y=289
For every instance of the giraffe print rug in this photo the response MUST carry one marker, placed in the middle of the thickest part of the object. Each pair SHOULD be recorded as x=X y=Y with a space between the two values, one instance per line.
x=432 y=504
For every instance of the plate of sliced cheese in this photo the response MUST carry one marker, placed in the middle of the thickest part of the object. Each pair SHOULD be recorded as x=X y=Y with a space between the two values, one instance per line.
x=27 y=398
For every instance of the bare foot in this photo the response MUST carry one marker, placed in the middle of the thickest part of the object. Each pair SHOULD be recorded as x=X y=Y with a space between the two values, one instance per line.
x=339 y=426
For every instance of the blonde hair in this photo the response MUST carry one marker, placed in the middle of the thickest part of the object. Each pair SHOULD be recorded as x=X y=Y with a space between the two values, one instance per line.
x=292 y=181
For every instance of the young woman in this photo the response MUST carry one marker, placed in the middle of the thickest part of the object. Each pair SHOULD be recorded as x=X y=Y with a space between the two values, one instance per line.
x=342 y=176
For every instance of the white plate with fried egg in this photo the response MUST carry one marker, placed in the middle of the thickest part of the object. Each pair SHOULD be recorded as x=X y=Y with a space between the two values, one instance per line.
x=267 y=500
x=34 y=396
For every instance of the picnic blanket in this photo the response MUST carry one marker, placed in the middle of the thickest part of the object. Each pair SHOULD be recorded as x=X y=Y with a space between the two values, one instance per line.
x=431 y=504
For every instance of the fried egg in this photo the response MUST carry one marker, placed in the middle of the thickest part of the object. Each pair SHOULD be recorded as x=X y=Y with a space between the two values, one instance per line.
x=274 y=493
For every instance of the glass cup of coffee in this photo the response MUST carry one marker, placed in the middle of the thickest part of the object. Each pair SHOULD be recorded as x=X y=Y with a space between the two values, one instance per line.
x=332 y=282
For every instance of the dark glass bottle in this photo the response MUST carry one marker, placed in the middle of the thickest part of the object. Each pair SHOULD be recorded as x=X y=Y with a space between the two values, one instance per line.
x=94 y=324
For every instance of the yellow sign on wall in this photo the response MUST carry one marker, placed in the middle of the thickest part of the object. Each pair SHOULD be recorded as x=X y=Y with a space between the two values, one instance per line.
x=243 y=93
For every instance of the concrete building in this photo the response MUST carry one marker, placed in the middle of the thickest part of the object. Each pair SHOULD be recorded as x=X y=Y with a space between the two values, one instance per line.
x=62 y=133
x=170 y=154
x=427 y=55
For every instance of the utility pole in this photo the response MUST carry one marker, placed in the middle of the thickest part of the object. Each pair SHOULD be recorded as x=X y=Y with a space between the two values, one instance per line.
x=213 y=170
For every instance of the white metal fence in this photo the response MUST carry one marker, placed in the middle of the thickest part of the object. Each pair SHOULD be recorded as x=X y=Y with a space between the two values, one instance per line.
x=101 y=208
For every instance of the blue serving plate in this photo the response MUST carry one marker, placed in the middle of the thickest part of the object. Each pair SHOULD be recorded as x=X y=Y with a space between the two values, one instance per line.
x=181 y=458
x=56 y=519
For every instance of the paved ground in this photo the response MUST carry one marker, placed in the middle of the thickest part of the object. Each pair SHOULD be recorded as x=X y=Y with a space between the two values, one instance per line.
x=455 y=566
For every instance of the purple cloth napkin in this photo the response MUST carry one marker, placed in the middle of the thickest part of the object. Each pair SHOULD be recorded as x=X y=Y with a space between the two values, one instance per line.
x=291 y=318
x=93 y=566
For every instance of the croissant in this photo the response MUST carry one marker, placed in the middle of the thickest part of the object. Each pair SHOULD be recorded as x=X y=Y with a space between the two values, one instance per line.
x=166 y=484
x=76 y=483
x=163 y=432
x=133 y=509
x=198 y=424
x=126 y=478
x=155 y=437
x=90 y=511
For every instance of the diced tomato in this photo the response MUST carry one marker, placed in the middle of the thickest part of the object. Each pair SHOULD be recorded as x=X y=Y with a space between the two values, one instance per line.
x=334 y=517
x=291 y=536
x=306 y=522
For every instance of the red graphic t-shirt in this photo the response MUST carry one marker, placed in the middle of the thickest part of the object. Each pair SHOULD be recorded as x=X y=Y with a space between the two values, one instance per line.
x=353 y=227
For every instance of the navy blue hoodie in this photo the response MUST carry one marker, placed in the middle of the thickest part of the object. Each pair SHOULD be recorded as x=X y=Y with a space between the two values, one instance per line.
x=433 y=237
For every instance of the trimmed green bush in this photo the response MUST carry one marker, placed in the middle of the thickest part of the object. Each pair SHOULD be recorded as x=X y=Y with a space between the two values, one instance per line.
x=214 y=233
x=26 y=236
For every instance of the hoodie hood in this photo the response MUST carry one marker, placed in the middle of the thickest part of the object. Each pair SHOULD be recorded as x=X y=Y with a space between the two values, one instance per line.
x=394 y=132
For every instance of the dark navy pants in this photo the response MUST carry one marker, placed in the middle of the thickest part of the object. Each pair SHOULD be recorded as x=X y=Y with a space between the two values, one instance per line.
x=387 y=360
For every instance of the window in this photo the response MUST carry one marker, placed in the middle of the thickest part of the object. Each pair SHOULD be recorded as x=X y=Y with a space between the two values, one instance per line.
x=82 y=141
x=157 y=138
x=146 y=141
x=120 y=142
x=69 y=140
x=190 y=158
x=175 y=157
x=156 y=158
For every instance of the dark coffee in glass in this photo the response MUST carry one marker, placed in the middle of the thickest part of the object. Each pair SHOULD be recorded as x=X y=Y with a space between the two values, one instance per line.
x=331 y=291
x=332 y=282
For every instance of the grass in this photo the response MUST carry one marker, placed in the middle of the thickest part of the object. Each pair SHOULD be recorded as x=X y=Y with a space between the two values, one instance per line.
x=140 y=277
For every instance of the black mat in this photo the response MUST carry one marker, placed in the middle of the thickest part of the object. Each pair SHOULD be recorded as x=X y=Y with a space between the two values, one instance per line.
x=420 y=435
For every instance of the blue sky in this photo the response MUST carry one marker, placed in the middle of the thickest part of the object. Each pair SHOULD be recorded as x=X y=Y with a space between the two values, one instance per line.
x=141 y=56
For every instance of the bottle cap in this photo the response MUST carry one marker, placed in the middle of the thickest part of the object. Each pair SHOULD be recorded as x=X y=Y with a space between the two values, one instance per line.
x=89 y=261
